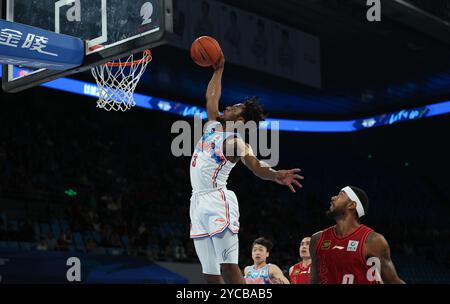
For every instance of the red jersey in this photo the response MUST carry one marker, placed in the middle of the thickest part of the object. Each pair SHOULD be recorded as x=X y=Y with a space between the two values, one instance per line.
x=300 y=274
x=341 y=260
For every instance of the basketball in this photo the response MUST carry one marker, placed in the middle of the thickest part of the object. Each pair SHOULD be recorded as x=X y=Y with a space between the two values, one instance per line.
x=205 y=51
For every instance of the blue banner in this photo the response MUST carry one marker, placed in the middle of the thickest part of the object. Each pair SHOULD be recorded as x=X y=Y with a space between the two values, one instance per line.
x=392 y=118
x=186 y=110
x=23 y=45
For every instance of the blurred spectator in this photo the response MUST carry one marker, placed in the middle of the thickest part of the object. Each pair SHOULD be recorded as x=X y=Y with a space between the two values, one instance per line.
x=91 y=245
x=96 y=226
x=180 y=254
x=169 y=251
x=63 y=242
x=115 y=240
x=42 y=245
x=27 y=233
x=105 y=236
x=51 y=242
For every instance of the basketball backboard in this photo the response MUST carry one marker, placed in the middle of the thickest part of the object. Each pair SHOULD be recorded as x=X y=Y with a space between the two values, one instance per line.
x=110 y=28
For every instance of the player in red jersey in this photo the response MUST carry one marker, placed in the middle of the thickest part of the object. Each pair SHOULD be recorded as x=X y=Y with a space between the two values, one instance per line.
x=350 y=252
x=299 y=273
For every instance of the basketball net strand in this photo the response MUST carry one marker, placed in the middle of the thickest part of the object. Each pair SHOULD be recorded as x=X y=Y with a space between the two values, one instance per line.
x=117 y=82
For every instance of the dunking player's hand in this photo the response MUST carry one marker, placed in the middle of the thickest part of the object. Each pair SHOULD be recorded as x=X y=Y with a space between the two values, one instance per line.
x=220 y=64
x=289 y=178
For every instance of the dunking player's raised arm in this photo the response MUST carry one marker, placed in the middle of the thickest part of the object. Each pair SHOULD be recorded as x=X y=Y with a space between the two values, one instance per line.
x=377 y=246
x=312 y=253
x=288 y=178
x=214 y=90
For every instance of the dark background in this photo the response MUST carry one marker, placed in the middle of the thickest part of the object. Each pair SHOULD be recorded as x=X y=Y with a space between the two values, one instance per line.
x=121 y=167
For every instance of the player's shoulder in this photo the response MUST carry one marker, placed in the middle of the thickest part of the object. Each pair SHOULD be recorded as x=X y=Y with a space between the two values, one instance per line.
x=375 y=245
x=291 y=269
x=374 y=237
x=247 y=269
x=316 y=236
x=273 y=268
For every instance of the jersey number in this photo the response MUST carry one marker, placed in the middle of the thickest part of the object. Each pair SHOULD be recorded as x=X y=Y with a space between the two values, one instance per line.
x=194 y=162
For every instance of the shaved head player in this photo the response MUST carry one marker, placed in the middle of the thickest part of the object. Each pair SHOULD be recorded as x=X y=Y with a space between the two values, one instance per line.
x=299 y=273
x=214 y=210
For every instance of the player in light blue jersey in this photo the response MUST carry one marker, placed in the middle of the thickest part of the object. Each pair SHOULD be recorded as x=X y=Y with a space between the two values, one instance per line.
x=262 y=272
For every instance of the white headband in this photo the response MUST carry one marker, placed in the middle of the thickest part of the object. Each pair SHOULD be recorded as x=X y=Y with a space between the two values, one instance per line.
x=353 y=197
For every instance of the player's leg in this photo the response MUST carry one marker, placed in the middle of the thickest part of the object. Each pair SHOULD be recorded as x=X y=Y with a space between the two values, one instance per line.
x=206 y=253
x=226 y=245
x=232 y=274
x=214 y=279
x=204 y=246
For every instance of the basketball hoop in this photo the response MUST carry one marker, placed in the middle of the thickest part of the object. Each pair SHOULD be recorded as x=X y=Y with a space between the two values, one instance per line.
x=117 y=80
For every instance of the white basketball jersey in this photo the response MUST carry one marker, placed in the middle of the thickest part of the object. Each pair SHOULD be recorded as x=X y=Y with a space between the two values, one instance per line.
x=209 y=167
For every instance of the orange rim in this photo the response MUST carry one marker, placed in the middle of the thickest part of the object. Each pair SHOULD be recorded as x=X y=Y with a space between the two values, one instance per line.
x=147 y=56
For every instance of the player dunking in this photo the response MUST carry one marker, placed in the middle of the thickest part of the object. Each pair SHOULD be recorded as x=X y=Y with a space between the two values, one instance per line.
x=214 y=210
x=299 y=273
x=350 y=252
x=261 y=272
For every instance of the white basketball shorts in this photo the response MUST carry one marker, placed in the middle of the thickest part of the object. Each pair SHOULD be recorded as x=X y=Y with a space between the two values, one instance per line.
x=214 y=227
x=212 y=212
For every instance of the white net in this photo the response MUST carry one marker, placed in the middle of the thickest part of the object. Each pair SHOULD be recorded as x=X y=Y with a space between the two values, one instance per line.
x=117 y=81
